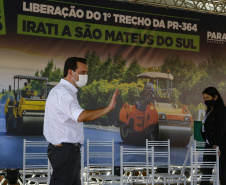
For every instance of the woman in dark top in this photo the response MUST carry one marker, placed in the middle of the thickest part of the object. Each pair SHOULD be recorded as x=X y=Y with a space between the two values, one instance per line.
x=213 y=131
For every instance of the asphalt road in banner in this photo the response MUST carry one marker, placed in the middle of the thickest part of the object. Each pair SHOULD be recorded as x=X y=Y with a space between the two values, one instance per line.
x=11 y=146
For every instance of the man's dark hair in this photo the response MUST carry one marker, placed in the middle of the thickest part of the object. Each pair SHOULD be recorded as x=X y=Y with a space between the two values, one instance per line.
x=71 y=63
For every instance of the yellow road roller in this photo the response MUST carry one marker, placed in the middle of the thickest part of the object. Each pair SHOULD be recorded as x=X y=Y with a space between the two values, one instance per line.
x=24 y=113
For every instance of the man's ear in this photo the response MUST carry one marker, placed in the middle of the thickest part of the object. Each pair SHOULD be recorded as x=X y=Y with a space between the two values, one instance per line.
x=69 y=72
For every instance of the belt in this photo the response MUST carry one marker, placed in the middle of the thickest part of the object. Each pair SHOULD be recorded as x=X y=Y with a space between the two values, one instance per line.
x=75 y=144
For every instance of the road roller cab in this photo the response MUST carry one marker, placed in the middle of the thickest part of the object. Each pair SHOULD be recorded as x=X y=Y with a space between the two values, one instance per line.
x=25 y=111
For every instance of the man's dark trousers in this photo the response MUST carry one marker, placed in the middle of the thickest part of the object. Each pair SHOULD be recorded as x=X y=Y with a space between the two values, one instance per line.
x=66 y=164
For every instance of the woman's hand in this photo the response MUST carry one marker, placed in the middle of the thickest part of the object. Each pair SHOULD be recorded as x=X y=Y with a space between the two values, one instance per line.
x=219 y=152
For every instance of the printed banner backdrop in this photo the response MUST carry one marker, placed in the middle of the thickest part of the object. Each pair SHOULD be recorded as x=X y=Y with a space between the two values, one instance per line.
x=160 y=59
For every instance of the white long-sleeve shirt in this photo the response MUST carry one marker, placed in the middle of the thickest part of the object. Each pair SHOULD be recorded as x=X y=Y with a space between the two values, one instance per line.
x=62 y=110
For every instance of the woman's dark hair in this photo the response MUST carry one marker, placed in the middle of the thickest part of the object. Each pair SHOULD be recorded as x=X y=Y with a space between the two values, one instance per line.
x=212 y=91
x=71 y=63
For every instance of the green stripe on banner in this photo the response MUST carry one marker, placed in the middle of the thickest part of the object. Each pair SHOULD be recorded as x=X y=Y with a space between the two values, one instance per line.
x=2 y=19
x=30 y=25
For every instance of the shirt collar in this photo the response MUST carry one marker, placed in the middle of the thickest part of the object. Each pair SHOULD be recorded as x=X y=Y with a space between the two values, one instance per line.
x=71 y=86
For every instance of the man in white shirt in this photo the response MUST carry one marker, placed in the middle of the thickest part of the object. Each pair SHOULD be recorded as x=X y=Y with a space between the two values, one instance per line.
x=63 y=123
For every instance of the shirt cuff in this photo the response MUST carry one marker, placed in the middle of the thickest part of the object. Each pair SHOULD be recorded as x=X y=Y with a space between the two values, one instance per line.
x=77 y=113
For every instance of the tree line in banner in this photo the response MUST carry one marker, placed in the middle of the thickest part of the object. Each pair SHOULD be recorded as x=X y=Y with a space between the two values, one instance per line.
x=106 y=75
